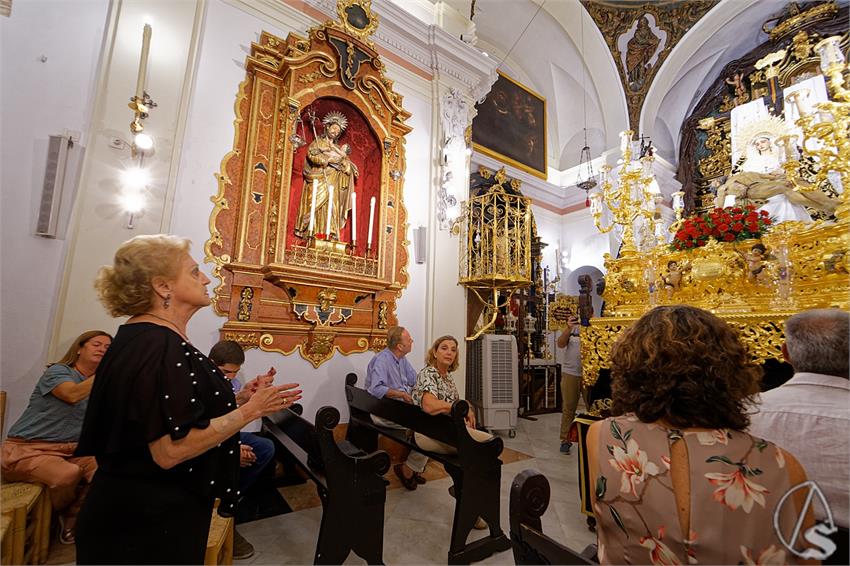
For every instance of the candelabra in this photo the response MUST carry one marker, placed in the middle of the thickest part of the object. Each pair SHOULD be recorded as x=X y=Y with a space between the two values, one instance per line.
x=826 y=132
x=629 y=199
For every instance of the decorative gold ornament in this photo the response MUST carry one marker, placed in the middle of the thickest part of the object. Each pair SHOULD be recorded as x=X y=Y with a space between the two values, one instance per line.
x=246 y=298
x=630 y=199
x=561 y=309
x=495 y=242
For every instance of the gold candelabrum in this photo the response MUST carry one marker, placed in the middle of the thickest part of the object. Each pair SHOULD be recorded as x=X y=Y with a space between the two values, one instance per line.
x=753 y=285
x=825 y=128
x=495 y=248
x=627 y=200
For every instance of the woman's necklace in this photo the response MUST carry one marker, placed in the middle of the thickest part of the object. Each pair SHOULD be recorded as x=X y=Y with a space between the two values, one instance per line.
x=173 y=325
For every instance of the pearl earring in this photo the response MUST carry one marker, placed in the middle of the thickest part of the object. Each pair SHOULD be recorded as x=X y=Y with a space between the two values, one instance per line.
x=167 y=302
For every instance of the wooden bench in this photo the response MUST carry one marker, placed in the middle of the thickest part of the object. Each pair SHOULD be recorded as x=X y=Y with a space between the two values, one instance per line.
x=32 y=497
x=529 y=500
x=476 y=469
x=349 y=481
x=220 y=539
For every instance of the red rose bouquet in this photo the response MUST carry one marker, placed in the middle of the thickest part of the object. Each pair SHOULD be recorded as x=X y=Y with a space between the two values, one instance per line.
x=728 y=224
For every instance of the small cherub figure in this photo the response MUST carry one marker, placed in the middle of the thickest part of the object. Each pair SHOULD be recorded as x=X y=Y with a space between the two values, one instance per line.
x=673 y=278
x=756 y=261
x=737 y=82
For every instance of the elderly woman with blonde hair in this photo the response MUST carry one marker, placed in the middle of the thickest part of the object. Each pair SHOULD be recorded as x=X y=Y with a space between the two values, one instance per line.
x=40 y=446
x=163 y=421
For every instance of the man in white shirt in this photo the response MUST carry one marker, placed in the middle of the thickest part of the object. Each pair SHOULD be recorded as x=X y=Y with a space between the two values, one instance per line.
x=810 y=414
x=569 y=355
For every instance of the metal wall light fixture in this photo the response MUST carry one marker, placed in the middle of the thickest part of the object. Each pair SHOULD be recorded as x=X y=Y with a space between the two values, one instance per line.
x=135 y=179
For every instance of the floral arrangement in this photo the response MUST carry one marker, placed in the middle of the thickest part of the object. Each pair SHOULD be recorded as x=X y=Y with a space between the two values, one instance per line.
x=728 y=224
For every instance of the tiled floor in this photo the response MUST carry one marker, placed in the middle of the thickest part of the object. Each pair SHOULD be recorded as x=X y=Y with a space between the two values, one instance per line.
x=418 y=524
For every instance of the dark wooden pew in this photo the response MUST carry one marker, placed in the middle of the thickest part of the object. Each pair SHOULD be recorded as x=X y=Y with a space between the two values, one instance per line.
x=349 y=481
x=529 y=500
x=476 y=469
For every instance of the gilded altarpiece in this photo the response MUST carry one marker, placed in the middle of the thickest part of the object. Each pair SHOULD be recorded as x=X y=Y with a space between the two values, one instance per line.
x=297 y=272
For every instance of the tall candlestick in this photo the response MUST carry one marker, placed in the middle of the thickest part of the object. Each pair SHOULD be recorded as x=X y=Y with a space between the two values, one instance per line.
x=625 y=140
x=311 y=229
x=143 y=62
x=353 y=218
x=371 y=223
x=330 y=211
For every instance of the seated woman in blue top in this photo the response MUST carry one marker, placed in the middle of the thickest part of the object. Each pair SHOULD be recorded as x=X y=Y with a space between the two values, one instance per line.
x=41 y=444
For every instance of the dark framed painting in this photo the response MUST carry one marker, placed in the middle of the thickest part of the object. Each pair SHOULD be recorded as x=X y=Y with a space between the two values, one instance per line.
x=511 y=126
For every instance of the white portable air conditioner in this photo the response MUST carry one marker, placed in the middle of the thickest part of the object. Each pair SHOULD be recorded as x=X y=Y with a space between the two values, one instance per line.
x=492 y=382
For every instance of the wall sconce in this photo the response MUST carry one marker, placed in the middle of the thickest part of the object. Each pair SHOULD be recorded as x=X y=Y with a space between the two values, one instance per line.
x=135 y=180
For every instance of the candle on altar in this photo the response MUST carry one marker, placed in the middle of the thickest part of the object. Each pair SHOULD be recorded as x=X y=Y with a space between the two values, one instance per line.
x=330 y=211
x=371 y=223
x=353 y=218
x=311 y=229
x=143 y=63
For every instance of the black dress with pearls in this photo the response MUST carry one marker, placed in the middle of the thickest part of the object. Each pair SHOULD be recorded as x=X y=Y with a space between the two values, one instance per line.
x=150 y=383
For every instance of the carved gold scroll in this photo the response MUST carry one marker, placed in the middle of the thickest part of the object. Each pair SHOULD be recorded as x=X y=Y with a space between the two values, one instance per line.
x=281 y=290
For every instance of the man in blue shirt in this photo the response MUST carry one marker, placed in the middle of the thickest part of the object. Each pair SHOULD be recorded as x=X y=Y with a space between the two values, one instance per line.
x=390 y=375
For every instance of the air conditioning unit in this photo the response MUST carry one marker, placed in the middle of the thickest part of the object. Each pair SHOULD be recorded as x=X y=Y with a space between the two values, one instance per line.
x=492 y=384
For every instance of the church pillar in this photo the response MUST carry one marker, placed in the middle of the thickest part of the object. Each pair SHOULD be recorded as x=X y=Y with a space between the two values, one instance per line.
x=100 y=218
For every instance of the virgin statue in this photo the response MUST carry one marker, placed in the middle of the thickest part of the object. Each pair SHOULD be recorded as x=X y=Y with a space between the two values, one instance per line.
x=329 y=177
x=761 y=177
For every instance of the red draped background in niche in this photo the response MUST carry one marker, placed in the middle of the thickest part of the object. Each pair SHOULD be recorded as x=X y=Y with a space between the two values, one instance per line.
x=365 y=154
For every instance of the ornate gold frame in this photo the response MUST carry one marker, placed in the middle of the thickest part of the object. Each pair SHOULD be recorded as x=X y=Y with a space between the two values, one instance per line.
x=315 y=297
x=512 y=162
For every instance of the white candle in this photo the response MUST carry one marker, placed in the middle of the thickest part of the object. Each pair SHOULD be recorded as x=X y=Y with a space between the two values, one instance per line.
x=330 y=211
x=371 y=223
x=313 y=208
x=143 y=63
x=625 y=140
x=353 y=218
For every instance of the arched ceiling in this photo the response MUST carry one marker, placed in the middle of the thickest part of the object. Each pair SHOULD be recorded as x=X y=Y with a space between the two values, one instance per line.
x=555 y=48
x=726 y=33
x=543 y=49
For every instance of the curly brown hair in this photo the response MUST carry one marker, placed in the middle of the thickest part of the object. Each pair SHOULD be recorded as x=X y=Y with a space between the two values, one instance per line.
x=686 y=366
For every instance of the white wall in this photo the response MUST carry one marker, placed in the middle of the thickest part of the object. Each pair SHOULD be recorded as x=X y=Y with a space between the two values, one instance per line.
x=226 y=39
x=38 y=99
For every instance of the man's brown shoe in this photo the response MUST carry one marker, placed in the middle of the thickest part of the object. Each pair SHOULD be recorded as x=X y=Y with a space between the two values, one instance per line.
x=409 y=483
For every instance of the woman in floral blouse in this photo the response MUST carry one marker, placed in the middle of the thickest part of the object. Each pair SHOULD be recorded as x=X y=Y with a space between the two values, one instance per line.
x=675 y=477
x=435 y=392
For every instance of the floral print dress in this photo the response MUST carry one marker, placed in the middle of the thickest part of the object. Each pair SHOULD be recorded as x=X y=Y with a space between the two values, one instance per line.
x=736 y=481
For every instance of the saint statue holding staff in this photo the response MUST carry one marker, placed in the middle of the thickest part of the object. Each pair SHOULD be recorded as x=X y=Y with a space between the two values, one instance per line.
x=329 y=177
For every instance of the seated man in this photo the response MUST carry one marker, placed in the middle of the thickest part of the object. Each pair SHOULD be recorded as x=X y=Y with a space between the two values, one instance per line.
x=256 y=452
x=810 y=414
x=390 y=375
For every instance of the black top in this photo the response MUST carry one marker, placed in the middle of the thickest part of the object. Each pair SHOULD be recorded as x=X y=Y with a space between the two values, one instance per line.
x=151 y=383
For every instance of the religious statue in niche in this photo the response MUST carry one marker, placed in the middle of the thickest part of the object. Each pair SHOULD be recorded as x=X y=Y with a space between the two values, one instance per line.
x=329 y=179
x=314 y=111
x=340 y=177
x=640 y=50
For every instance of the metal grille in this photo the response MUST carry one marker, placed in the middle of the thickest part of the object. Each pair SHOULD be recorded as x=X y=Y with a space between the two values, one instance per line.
x=502 y=362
